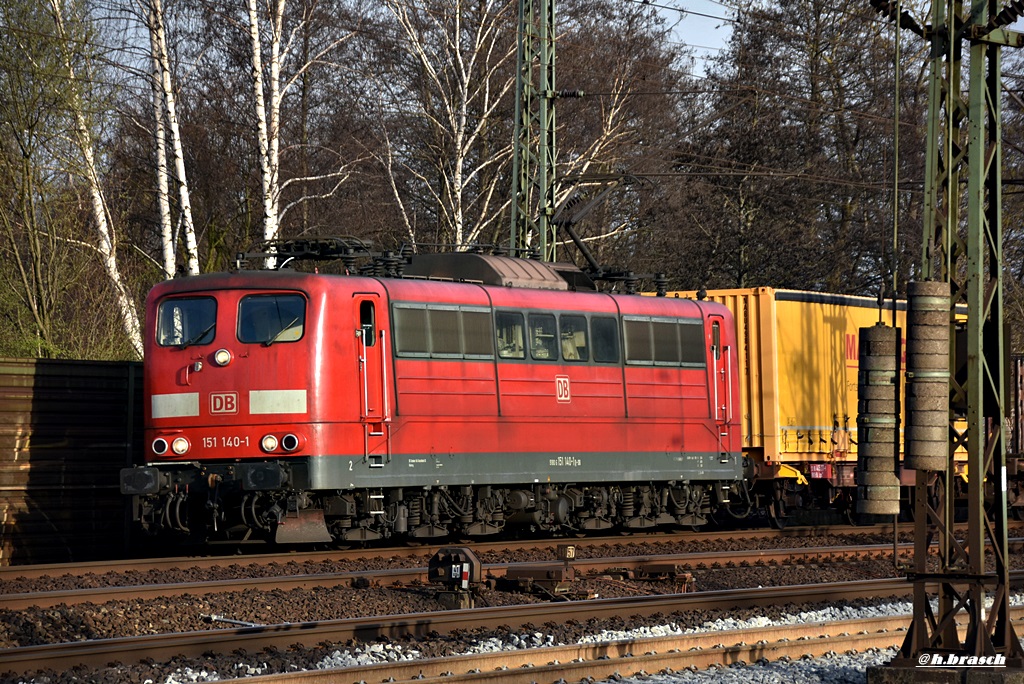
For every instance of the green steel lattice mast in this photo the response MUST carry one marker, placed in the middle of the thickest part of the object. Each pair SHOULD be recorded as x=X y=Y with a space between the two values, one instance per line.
x=533 y=168
x=965 y=250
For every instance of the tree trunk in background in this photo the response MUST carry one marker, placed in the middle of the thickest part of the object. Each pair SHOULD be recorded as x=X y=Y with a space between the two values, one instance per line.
x=106 y=245
x=267 y=128
x=158 y=40
x=167 y=241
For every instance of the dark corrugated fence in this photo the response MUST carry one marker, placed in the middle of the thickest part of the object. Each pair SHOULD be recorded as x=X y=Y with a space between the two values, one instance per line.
x=66 y=430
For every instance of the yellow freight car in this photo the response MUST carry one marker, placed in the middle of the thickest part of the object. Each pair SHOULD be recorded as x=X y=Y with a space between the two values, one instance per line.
x=798 y=363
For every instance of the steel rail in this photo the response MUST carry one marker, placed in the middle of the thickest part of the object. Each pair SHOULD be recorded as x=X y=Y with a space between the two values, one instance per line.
x=61 y=657
x=407 y=576
x=589 y=662
x=10 y=572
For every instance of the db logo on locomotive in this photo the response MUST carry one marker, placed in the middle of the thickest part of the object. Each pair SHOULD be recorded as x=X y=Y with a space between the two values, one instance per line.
x=562 y=389
x=223 y=402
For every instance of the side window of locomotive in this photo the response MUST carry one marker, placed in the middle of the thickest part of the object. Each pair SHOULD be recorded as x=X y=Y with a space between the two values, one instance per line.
x=691 y=335
x=665 y=335
x=476 y=333
x=573 y=330
x=605 y=335
x=186 y=321
x=509 y=333
x=638 y=340
x=443 y=331
x=542 y=337
x=368 y=323
x=445 y=337
x=269 y=319
x=411 y=332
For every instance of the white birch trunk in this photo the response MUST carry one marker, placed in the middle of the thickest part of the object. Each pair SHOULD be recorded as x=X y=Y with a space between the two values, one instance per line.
x=167 y=240
x=455 y=84
x=269 y=89
x=184 y=198
x=274 y=116
x=264 y=133
x=107 y=246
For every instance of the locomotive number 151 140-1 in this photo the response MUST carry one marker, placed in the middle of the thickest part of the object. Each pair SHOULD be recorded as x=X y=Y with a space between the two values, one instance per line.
x=535 y=399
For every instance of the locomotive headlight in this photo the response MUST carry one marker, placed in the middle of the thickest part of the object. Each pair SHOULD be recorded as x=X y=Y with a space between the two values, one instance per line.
x=180 y=446
x=269 y=443
x=291 y=442
x=222 y=357
x=159 y=446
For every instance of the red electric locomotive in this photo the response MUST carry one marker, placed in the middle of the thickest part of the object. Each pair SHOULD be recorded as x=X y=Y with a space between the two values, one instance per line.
x=472 y=393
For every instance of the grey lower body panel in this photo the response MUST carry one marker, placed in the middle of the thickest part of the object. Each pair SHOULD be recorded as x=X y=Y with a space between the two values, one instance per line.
x=429 y=470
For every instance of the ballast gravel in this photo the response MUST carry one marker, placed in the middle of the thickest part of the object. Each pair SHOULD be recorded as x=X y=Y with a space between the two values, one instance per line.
x=840 y=668
x=834 y=668
x=116 y=618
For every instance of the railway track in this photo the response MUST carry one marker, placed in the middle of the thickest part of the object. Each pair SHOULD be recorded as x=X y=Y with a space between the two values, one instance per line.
x=11 y=572
x=95 y=653
x=583 y=662
x=157 y=647
x=412 y=576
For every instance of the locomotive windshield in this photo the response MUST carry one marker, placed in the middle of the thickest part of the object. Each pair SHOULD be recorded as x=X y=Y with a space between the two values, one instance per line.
x=186 y=321
x=267 y=319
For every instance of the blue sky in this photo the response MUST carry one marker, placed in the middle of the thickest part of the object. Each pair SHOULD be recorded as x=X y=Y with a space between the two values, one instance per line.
x=699 y=24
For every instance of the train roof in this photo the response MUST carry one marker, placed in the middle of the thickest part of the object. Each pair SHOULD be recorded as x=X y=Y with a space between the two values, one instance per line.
x=511 y=281
x=503 y=271
x=459 y=267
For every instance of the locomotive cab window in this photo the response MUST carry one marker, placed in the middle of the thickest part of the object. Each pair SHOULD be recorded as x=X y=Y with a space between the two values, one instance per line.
x=186 y=321
x=271 y=318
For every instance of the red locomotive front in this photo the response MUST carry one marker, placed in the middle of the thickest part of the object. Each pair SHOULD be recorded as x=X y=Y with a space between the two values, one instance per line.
x=245 y=377
x=307 y=408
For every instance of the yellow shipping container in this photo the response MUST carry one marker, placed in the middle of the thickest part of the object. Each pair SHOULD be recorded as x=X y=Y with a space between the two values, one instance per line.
x=798 y=363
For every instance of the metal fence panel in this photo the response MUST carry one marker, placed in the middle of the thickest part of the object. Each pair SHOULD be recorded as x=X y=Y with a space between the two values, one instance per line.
x=66 y=429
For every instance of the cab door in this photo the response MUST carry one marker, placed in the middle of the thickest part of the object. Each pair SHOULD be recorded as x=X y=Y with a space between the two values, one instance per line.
x=721 y=381
x=372 y=351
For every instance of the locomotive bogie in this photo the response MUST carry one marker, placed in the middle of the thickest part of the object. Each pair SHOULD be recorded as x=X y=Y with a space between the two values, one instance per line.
x=263 y=500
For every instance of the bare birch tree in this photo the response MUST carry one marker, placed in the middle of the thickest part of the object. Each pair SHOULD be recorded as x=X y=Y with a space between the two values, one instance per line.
x=167 y=242
x=166 y=117
x=460 y=74
x=83 y=139
x=272 y=79
x=632 y=74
